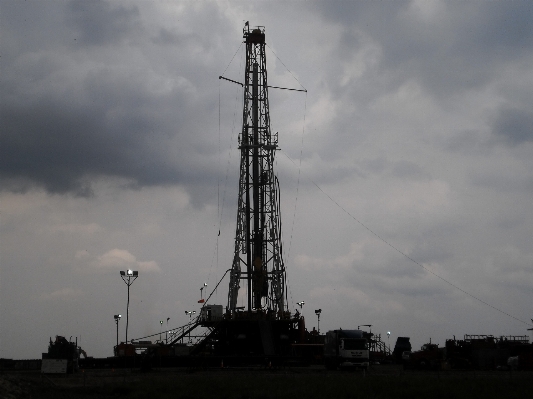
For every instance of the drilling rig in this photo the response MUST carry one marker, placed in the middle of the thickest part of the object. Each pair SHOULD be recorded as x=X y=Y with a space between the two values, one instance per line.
x=257 y=257
x=264 y=327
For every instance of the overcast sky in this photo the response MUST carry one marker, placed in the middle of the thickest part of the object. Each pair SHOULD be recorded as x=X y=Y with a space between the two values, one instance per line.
x=406 y=170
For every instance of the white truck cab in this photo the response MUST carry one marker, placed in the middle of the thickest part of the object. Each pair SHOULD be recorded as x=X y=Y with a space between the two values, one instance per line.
x=346 y=348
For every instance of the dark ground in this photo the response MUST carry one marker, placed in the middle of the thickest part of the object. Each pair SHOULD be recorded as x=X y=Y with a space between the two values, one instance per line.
x=384 y=381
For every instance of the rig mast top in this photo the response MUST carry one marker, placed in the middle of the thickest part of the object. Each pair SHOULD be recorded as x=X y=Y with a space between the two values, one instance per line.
x=257 y=257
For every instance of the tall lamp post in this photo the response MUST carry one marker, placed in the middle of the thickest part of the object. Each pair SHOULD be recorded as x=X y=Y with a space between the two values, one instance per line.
x=202 y=300
x=317 y=312
x=166 y=332
x=300 y=304
x=129 y=276
x=117 y=318
x=160 y=329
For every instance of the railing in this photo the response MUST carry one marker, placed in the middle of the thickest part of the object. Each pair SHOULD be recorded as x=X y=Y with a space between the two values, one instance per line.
x=377 y=345
x=470 y=337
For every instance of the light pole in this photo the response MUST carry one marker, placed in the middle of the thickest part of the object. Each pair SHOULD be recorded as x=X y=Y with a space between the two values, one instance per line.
x=388 y=340
x=300 y=304
x=129 y=276
x=160 y=329
x=201 y=293
x=190 y=313
x=117 y=318
x=166 y=332
x=317 y=312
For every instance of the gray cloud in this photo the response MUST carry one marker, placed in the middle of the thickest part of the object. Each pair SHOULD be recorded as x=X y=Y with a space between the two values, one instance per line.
x=58 y=141
x=98 y=23
x=514 y=126
x=67 y=123
x=447 y=47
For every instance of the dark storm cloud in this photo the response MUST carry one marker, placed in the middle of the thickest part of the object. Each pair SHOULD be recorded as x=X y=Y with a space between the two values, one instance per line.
x=75 y=113
x=60 y=143
x=102 y=126
x=57 y=143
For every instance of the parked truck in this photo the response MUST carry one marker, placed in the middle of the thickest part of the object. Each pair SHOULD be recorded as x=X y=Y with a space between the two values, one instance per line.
x=430 y=356
x=346 y=348
x=401 y=349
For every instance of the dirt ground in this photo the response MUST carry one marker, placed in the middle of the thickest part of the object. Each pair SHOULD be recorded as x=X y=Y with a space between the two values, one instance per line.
x=384 y=381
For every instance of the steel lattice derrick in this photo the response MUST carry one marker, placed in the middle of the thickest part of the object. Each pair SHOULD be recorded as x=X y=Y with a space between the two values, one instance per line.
x=257 y=255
